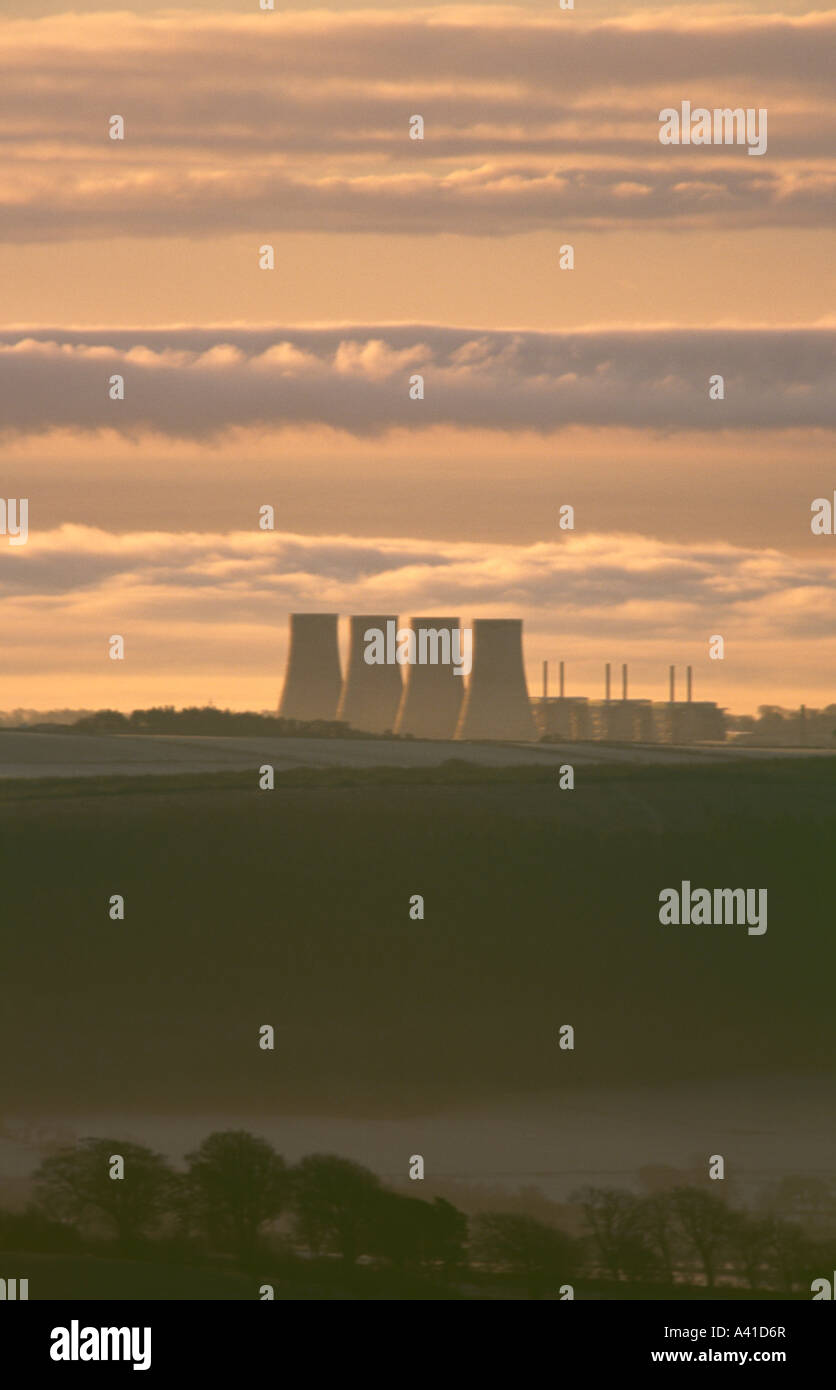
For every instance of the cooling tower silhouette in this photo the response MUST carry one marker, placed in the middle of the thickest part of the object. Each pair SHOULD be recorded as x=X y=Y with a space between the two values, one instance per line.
x=371 y=694
x=312 y=678
x=496 y=704
x=432 y=694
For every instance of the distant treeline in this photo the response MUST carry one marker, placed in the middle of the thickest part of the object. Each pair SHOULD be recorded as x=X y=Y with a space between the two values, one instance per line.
x=772 y=727
x=775 y=727
x=52 y=718
x=239 y=1199
x=165 y=719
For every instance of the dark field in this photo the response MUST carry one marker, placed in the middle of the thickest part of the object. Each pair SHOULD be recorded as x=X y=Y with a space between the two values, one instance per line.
x=291 y=907
x=91 y=1277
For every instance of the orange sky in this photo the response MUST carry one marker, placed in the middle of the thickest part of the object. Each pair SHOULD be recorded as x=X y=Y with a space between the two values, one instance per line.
x=290 y=129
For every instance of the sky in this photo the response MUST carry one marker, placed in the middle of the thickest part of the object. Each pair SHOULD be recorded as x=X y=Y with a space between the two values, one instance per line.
x=543 y=386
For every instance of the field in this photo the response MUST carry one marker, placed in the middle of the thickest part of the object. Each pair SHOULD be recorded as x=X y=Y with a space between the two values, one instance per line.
x=70 y=754
x=291 y=907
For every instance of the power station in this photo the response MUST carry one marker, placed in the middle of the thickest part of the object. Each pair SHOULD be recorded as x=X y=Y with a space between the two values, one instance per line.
x=371 y=693
x=629 y=721
x=432 y=694
x=434 y=702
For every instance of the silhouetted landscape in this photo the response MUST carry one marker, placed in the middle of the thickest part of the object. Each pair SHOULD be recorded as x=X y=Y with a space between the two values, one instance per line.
x=418 y=617
x=238 y=1222
x=290 y=907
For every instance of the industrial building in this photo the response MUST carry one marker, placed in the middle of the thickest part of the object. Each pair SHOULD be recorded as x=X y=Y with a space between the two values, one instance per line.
x=433 y=702
x=626 y=720
x=688 y=720
x=562 y=717
x=568 y=718
x=697 y=721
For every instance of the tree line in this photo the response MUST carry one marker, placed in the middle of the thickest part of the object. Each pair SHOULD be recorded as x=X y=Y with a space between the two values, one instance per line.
x=238 y=1198
x=207 y=720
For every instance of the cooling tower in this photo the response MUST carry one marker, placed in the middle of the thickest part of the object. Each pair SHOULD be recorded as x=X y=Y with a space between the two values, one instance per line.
x=312 y=678
x=432 y=694
x=496 y=704
x=371 y=694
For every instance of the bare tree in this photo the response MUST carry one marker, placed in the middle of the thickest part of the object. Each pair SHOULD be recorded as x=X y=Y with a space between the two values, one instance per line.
x=789 y=1254
x=658 y=1221
x=749 y=1245
x=703 y=1219
x=613 y=1219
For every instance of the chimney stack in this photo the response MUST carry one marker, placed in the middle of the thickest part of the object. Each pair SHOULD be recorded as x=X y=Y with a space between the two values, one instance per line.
x=624 y=681
x=561 y=680
x=672 y=684
x=689 y=687
x=607 y=683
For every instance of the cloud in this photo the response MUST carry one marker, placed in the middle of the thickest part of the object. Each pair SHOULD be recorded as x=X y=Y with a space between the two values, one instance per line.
x=299 y=121
x=198 y=383
x=207 y=611
x=487 y=199
x=627 y=582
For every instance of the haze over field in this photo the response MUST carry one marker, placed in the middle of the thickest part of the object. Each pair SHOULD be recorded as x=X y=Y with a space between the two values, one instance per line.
x=34 y=755
x=244 y=908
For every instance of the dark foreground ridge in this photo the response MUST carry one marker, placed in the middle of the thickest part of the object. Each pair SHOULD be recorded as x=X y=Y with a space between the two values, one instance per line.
x=292 y=907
